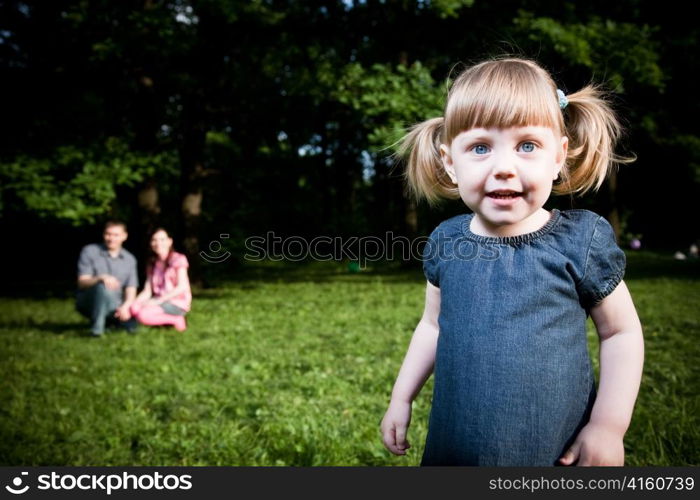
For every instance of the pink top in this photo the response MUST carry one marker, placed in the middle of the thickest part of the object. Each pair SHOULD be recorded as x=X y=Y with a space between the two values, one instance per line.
x=164 y=278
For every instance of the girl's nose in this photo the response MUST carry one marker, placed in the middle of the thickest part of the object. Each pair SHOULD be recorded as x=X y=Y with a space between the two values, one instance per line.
x=504 y=168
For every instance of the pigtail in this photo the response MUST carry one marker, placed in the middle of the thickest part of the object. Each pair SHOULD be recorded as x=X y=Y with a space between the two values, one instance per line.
x=593 y=131
x=425 y=174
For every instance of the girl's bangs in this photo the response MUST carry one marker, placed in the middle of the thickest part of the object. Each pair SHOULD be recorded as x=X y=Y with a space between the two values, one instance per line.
x=502 y=101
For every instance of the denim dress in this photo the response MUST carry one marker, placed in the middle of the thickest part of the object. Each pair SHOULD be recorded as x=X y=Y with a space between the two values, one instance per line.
x=513 y=377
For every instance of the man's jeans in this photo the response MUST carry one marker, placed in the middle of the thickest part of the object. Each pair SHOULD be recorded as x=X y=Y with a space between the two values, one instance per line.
x=98 y=304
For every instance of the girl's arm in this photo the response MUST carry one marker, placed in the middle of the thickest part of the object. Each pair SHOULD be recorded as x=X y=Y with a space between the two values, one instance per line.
x=145 y=293
x=621 y=360
x=183 y=284
x=415 y=370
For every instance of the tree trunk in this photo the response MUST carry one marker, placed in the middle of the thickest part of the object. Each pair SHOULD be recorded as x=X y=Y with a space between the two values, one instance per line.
x=411 y=216
x=614 y=212
x=192 y=174
x=149 y=206
x=409 y=203
x=148 y=201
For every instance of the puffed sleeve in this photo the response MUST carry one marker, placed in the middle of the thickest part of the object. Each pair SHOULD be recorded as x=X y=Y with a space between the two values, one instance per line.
x=430 y=260
x=604 y=268
x=180 y=261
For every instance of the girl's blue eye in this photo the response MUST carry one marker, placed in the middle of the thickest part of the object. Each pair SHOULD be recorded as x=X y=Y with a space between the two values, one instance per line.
x=480 y=149
x=528 y=147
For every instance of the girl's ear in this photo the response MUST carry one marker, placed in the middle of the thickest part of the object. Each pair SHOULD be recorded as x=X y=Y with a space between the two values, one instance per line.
x=561 y=156
x=447 y=162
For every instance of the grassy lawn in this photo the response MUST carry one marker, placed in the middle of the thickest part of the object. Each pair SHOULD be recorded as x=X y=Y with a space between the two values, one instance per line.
x=287 y=366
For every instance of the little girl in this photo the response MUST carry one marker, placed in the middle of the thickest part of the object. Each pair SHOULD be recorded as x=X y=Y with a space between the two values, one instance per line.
x=166 y=297
x=511 y=285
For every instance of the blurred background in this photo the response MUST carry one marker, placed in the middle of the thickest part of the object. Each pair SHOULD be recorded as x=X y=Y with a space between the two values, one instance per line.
x=237 y=118
x=222 y=116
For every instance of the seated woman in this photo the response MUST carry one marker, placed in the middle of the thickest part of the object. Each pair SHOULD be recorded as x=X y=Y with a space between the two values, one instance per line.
x=166 y=296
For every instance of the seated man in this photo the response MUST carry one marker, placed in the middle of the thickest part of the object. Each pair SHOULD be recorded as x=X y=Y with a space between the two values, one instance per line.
x=107 y=281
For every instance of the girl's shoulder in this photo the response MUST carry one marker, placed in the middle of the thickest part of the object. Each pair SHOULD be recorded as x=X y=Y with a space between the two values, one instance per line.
x=577 y=224
x=572 y=230
x=444 y=237
x=581 y=227
x=579 y=217
x=178 y=260
x=451 y=227
x=598 y=263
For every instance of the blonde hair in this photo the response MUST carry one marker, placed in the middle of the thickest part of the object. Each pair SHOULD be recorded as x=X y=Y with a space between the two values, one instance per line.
x=515 y=92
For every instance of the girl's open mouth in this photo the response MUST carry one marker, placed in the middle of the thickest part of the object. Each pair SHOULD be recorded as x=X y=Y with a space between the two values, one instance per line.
x=504 y=194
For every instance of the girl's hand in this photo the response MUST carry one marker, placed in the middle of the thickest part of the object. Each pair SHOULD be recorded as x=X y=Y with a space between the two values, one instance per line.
x=394 y=427
x=596 y=445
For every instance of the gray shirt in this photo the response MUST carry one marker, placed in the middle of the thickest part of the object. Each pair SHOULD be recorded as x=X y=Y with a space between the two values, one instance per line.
x=95 y=260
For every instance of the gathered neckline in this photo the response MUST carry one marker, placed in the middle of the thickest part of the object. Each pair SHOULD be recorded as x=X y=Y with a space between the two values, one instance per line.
x=510 y=240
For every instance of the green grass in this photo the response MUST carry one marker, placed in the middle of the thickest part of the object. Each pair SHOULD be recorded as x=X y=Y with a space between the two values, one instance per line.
x=287 y=366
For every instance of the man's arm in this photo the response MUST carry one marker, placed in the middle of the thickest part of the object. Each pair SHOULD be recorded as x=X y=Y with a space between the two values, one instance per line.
x=123 y=311
x=87 y=281
x=86 y=271
x=131 y=284
x=129 y=296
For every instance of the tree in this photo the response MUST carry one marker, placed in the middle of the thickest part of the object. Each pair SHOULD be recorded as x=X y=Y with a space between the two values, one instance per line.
x=218 y=116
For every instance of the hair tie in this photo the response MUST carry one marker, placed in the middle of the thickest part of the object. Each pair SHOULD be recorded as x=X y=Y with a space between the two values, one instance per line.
x=563 y=101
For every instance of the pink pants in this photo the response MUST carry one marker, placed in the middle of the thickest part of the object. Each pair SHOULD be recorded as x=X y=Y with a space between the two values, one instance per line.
x=154 y=315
